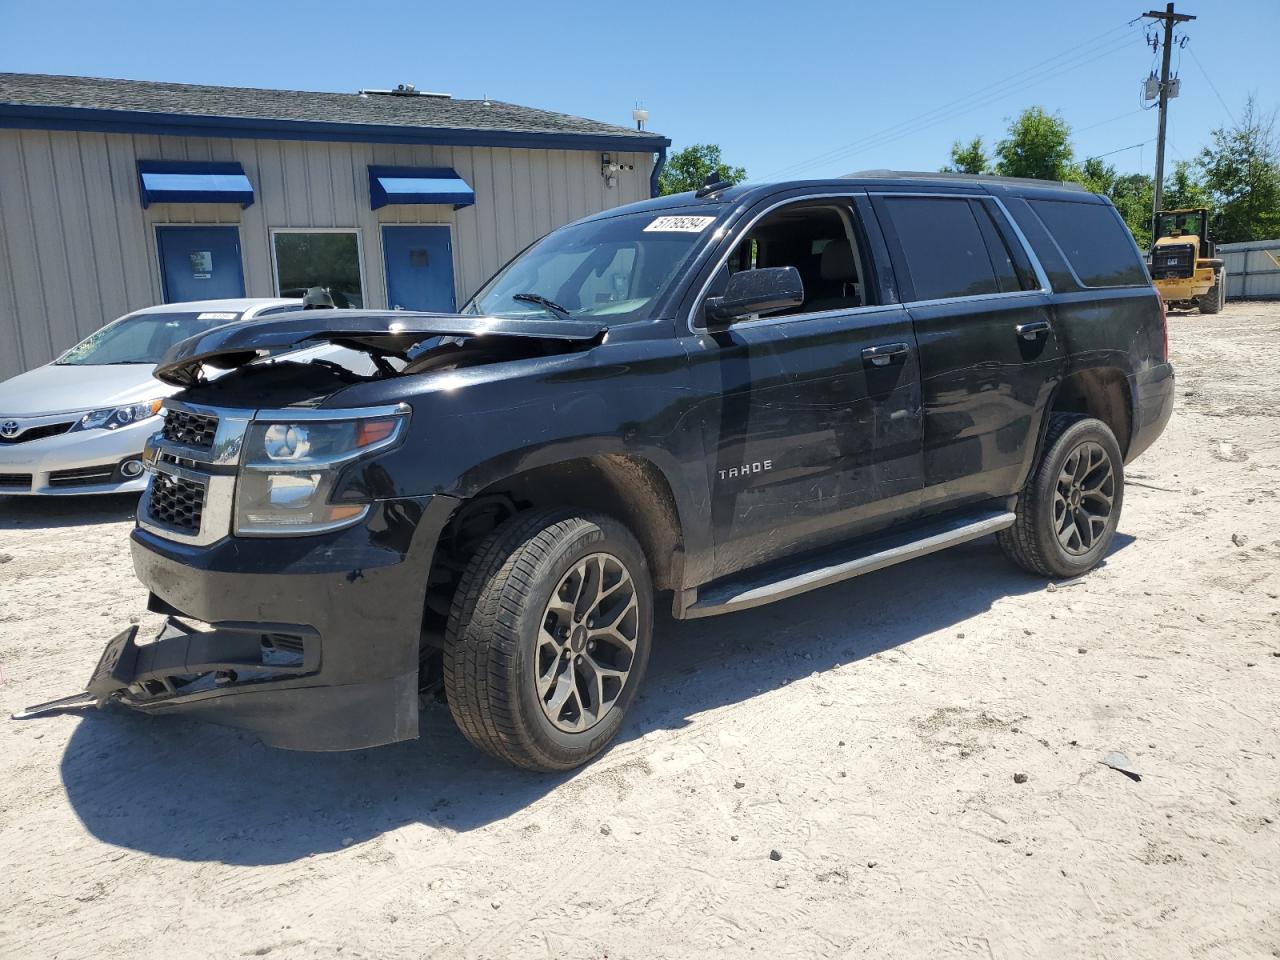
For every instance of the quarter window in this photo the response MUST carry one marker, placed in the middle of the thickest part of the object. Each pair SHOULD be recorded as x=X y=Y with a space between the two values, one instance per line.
x=330 y=260
x=943 y=247
x=1095 y=242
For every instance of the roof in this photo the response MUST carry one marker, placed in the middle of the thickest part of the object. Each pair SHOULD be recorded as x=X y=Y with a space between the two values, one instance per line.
x=951 y=177
x=94 y=103
x=749 y=193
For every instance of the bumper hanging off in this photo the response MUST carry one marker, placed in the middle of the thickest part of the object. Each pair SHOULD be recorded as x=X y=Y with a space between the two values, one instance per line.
x=250 y=676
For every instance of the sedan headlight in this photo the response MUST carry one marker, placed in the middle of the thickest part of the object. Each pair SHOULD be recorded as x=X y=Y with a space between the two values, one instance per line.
x=112 y=418
x=288 y=471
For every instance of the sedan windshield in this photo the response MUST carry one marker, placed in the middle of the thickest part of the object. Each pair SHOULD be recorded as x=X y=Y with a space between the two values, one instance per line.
x=610 y=269
x=142 y=337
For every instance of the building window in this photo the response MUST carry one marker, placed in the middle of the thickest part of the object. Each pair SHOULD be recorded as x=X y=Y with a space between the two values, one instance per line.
x=319 y=258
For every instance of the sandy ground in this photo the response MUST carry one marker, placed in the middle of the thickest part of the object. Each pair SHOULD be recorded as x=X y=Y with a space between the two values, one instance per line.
x=869 y=733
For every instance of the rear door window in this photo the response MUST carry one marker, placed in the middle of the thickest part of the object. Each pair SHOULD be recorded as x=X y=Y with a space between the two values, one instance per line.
x=942 y=246
x=1095 y=242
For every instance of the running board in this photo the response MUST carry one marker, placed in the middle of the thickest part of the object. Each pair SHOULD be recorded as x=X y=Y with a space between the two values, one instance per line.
x=799 y=576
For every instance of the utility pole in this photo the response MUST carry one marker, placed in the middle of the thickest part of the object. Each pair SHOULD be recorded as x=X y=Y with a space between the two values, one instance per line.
x=1170 y=19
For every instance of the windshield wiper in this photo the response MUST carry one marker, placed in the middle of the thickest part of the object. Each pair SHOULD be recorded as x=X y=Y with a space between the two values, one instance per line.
x=549 y=305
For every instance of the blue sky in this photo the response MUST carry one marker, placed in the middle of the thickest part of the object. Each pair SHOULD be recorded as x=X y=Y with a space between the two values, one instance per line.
x=788 y=89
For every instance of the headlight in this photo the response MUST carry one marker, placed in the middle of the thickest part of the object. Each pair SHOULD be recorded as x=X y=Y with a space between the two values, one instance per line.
x=112 y=418
x=288 y=471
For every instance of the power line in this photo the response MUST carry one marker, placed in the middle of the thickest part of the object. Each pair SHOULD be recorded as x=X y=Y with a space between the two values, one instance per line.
x=1103 y=123
x=937 y=114
x=1072 y=59
x=1212 y=86
x=889 y=136
x=1132 y=146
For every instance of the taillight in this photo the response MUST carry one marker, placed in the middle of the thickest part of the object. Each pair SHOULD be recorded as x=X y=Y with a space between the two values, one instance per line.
x=1164 y=327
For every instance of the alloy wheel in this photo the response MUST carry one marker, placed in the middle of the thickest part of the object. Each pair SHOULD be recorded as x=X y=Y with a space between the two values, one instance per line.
x=586 y=643
x=1084 y=498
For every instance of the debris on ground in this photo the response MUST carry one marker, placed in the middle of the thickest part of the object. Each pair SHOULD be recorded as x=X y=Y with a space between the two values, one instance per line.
x=1119 y=761
x=775 y=855
x=1020 y=778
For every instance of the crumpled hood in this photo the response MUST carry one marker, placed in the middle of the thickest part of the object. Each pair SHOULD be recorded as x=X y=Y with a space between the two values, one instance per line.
x=77 y=388
x=386 y=332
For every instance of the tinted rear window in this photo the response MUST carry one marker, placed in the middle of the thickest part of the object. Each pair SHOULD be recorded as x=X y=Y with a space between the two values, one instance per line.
x=1095 y=242
x=943 y=247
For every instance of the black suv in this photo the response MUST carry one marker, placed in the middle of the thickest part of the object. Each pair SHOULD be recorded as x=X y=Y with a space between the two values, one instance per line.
x=729 y=397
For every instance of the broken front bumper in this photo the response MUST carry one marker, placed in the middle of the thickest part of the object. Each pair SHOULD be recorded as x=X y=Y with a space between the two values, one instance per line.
x=312 y=642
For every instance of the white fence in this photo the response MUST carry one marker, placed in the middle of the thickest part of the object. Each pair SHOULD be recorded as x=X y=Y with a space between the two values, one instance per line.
x=1253 y=269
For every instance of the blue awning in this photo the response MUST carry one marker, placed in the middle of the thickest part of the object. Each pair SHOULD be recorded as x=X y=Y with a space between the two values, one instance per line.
x=193 y=181
x=418 y=185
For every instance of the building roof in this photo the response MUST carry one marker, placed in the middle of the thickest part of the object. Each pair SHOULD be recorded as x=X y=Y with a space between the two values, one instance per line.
x=62 y=102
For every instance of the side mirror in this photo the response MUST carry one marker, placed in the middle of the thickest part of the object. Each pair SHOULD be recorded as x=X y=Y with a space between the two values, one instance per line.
x=765 y=290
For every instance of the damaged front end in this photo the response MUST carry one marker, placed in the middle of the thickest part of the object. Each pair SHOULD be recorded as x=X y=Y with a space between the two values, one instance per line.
x=291 y=564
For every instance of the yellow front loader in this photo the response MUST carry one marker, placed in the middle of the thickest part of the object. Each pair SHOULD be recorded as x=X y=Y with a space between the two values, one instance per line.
x=1182 y=263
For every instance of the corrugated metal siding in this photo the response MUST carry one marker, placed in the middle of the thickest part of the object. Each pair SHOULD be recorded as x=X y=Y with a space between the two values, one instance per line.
x=77 y=250
x=1253 y=269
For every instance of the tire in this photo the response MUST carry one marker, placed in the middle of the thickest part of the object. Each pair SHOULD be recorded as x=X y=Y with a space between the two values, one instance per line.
x=512 y=620
x=1034 y=542
x=1213 y=299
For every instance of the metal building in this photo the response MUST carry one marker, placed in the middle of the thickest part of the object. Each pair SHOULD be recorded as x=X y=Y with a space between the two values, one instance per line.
x=119 y=194
x=1253 y=269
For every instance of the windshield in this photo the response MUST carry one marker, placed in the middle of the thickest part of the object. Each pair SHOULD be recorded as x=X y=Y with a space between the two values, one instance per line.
x=1178 y=225
x=142 y=337
x=610 y=269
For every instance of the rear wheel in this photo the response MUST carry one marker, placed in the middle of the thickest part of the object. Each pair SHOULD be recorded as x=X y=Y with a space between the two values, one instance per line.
x=1213 y=299
x=548 y=638
x=1069 y=510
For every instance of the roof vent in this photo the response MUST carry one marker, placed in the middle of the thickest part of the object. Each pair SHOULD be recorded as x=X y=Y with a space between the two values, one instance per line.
x=405 y=90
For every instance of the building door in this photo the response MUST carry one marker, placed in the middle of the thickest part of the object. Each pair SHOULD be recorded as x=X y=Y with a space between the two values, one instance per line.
x=200 y=263
x=419 y=263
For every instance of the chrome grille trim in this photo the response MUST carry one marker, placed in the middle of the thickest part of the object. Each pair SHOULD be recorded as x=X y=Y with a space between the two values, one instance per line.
x=205 y=466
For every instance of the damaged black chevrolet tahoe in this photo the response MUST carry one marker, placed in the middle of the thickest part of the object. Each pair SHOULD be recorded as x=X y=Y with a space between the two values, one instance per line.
x=725 y=398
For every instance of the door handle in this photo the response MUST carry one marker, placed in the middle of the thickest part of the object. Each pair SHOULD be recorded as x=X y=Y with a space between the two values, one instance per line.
x=884 y=354
x=1033 y=330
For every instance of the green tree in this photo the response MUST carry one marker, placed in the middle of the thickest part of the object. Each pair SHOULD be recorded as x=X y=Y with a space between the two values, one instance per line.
x=1038 y=145
x=687 y=169
x=1183 y=189
x=1133 y=194
x=968 y=157
x=1095 y=175
x=1241 y=173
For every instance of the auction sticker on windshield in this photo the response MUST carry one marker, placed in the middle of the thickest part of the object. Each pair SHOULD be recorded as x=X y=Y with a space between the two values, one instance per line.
x=217 y=316
x=679 y=224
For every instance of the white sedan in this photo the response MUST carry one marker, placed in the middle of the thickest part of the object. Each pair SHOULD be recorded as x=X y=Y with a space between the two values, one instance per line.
x=78 y=425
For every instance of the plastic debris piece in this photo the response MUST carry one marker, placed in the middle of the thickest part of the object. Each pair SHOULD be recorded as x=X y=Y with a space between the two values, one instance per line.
x=1119 y=761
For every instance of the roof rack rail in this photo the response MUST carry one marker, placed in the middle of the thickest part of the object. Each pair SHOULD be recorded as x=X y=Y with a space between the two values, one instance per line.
x=980 y=177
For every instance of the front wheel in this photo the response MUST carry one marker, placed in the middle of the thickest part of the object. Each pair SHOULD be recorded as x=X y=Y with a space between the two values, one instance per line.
x=548 y=638
x=1213 y=299
x=1068 y=512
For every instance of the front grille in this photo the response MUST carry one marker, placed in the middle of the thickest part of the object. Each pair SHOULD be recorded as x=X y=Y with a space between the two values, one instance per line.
x=15 y=480
x=176 y=502
x=40 y=432
x=1173 y=262
x=192 y=429
x=82 y=476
